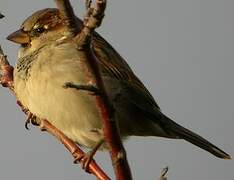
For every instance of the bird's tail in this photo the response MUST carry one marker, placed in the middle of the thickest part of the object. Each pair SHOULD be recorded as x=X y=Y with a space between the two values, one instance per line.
x=183 y=133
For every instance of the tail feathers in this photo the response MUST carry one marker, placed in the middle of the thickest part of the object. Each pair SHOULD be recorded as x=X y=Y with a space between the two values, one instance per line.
x=195 y=139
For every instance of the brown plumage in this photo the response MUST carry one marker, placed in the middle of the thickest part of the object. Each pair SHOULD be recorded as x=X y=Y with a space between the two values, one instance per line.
x=48 y=59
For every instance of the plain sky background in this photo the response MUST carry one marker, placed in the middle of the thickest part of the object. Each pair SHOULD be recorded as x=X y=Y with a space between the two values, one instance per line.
x=183 y=51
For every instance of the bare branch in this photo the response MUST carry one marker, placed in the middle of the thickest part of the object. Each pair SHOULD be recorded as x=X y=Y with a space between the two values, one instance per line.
x=6 y=71
x=93 y=19
x=111 y=133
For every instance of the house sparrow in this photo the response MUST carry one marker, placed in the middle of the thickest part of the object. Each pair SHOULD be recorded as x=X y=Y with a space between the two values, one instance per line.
x=48 y=59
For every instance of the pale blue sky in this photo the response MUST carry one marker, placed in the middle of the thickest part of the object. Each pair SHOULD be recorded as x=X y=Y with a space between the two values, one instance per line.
x=182 y=50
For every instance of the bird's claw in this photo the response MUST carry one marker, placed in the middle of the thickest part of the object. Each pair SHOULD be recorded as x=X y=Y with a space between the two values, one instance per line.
x=84 y=160
x=31 y=119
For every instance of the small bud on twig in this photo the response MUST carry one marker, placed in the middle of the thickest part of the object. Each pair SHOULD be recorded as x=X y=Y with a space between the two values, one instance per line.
x=1 y=16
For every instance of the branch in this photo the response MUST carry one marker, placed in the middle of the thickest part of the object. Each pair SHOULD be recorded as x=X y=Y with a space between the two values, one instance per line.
x=73 y=148
x=6 y=80
x=112 y=138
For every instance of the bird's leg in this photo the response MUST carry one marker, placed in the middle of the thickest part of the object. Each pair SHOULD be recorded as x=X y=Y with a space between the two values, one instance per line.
x=87 y=87
x=88 y=157
x=31 y=119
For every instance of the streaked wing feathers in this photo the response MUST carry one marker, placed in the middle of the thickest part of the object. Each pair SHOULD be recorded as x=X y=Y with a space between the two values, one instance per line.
x=113 y=65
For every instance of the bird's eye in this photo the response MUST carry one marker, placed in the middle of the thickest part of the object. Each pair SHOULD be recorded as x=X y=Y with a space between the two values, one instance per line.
x=40 y=30
x=37 y=31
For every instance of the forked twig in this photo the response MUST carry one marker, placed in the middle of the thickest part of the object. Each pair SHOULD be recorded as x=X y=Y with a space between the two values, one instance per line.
x=93 y=20
x=112 y=137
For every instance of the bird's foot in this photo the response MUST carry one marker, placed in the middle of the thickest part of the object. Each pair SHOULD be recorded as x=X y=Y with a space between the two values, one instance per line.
x=86 y=158
x=31 y=119
x=88 y=87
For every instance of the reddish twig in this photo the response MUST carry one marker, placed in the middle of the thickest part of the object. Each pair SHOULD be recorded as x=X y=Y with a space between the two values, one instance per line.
x=111 y=133
x=6 y=71
x=6 y=80
x=93 y=20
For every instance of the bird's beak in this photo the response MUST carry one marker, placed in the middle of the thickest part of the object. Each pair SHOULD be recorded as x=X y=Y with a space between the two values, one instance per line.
x=19 y=37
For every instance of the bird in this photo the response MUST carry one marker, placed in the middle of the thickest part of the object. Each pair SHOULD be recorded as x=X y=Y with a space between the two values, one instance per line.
x=47 y=60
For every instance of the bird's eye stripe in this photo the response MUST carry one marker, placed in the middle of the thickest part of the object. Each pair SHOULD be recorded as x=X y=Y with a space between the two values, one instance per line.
x=36 y=26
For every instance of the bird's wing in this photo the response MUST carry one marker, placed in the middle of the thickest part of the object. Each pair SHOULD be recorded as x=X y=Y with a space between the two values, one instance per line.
x=113 y=65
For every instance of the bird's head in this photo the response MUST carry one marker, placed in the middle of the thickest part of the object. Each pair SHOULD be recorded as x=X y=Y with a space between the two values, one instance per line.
x=42 y=27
